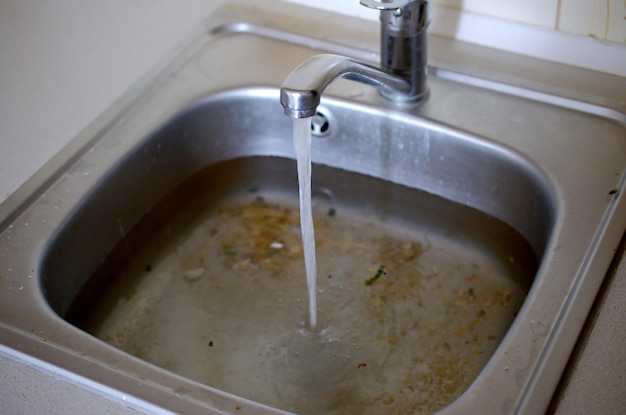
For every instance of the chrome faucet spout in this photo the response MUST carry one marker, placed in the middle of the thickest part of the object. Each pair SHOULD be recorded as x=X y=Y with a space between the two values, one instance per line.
x=402 y=73
x=301 y=92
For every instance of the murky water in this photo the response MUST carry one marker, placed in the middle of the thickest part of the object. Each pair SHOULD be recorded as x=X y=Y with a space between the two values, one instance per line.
x=215 y=291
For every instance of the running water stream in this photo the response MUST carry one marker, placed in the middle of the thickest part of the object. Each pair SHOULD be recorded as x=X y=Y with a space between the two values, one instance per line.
x=302 y=143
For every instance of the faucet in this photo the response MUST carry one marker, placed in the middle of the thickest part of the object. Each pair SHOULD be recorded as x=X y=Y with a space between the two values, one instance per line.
x=401 y=77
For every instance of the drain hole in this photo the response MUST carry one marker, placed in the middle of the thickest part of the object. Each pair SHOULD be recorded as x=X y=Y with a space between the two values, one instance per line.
x=320 y=124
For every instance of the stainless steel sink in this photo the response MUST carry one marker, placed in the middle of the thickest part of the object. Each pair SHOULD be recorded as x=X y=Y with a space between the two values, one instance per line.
x=548 y=173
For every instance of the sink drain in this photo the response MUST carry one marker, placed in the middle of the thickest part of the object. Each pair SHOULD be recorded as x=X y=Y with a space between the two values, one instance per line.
x=320 y=123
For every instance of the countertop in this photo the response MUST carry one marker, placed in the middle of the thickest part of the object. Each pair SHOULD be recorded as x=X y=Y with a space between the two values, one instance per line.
x=64 y=62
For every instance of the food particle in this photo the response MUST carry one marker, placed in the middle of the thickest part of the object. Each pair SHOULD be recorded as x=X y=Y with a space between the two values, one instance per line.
x=381 y=271
x=277 y=245
x=194 y=274
x=389 y=400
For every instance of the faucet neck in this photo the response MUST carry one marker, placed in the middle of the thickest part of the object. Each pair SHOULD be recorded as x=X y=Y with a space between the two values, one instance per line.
x=403 y=42
x=401 y=77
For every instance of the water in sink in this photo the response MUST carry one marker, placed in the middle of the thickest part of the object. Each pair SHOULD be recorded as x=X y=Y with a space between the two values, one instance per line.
x=210 y=285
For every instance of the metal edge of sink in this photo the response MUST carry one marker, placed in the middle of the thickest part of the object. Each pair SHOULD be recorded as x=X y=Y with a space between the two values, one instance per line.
x=535 y=388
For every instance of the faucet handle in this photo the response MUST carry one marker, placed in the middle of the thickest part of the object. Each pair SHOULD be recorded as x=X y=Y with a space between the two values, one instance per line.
x=407 y=16
x=385 y=5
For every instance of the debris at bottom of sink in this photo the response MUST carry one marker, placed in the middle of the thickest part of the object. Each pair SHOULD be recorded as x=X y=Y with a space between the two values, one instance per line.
x=194 y=274
x=277 y=245
x=406 y=327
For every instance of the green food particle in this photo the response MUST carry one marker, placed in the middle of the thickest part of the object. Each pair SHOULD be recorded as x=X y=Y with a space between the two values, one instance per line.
x=211 y=343
x=381 y=271
x=332 y=212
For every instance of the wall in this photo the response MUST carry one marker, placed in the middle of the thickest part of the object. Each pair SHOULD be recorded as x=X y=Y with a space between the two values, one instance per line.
x=601 y=19
x=589 y=34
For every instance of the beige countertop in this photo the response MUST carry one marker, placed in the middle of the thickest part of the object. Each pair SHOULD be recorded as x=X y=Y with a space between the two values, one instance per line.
x=64 y=62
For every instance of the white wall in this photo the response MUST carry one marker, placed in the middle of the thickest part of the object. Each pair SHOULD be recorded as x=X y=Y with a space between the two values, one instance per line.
x=573 y=32
x=600 y=19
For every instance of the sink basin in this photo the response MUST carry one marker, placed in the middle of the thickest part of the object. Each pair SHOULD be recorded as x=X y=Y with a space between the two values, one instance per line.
x=492 y=188
x=476 y=262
